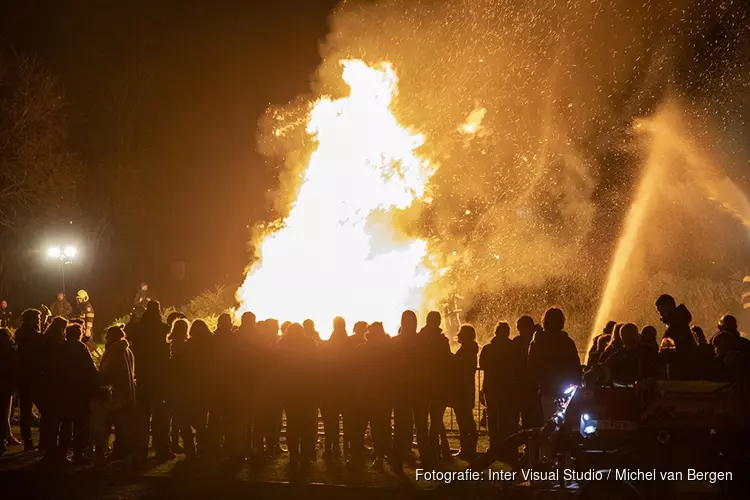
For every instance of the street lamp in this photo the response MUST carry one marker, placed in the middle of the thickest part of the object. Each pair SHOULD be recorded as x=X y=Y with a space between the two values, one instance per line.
x=65 y=255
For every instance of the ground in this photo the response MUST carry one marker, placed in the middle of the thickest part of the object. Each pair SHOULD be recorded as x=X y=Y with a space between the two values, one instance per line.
x=176 y=478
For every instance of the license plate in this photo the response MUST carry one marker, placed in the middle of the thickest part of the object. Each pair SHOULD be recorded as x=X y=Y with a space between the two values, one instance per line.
x=617 y=425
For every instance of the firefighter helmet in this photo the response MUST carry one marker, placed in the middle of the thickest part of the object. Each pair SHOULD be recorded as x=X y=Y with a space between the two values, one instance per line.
x=83 y=296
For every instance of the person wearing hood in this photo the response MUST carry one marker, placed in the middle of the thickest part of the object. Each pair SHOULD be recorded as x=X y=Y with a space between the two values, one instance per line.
x=81 y=382
x=61 y=307
x=464 y=393
x=29 y=356
x=501 y=363
x=677 y=319
x=297 y=360
x=148 y=341
x=117 y=376
x=405 y=390
x=434 y=361
x=554 y=364
x=335 y=389
x=180 y=390
x=375 y=385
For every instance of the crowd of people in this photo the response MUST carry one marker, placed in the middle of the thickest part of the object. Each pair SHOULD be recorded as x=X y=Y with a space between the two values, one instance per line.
x=179 y=387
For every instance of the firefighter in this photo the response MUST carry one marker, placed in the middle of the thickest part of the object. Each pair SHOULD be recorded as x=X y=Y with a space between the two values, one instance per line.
x=85 y=311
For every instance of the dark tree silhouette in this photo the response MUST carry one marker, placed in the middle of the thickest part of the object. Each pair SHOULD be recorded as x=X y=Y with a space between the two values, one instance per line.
x=38 y=174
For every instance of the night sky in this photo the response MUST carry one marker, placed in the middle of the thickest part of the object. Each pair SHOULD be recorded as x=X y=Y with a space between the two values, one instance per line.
x=197 y=76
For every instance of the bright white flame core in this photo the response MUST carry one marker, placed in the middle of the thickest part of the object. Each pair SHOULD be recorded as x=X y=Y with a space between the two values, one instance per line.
x=327 y=261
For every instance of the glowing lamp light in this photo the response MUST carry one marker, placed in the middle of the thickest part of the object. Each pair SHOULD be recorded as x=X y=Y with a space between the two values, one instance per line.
x=570 y=390
x=70 y=251
x=54 y=252
x=586 y=416
x=589 y=429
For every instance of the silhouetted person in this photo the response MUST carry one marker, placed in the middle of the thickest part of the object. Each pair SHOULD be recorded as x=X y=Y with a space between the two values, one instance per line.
x=148 y=342
x=358 y=418
x=174 y=429
x=728 y=323
x=81 y=384
x=180 y=390
x=705 y=350
x=335 y=388
x=310 y=331
x=30 y=348
x=143 y=297
x=358 y=333
x=297 y=353
x=594 y=351
x=8 y=381
x=614 y=344
x=648 y=339
x=434 y=361
x=84 y=310
x=55 y=392
x=253 y=351
x=677 y=319
x=500 y=361
x=117 y=376
x=464 y=390
x=633 y=361
x=528 y=394
x=202 y=381
x=61 y=307
x=6 y=316
x=374 y=356
x=406 y=348
x=554 y=364
x=271 y=405
x=225 y=418
x=730 y=364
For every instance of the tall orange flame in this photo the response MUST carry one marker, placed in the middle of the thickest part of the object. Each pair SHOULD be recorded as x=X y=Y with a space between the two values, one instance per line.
x=326 y=259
